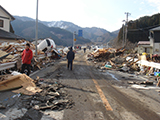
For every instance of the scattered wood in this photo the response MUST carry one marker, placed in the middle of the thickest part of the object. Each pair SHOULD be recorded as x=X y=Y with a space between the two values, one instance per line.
x=158 y=84
x=132 y=63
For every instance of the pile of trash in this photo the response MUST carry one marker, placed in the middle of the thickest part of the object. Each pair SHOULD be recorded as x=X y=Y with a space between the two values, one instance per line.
x=10 y=54
x=39 y=94
x=105 y=54
x=53 y=96
x=117 y=59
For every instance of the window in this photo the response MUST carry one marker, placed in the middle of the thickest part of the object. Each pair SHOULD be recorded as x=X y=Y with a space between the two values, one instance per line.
x=1 y=23
x=145 y=50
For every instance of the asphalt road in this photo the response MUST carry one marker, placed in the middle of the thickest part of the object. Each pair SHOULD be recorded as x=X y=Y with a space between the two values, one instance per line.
x=100 y=95
x=97 y=98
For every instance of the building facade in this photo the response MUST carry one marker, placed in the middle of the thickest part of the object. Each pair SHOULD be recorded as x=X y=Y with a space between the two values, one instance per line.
x=6 y=30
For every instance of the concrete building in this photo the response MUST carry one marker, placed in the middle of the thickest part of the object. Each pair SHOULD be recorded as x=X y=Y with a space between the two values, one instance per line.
x=155 y=40
x=144 y=46
x=153 y=45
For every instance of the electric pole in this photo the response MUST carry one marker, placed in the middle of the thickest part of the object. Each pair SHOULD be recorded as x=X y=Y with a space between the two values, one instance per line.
x=123 y=36
x=74 y=38
x=126 y=25
x=36 y=27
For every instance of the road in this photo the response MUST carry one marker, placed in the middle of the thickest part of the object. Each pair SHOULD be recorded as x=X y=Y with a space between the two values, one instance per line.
x=98 y=96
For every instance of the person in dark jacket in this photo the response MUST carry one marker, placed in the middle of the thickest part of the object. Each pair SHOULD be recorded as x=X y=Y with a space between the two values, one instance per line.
x=84 y=50
x=70 y=58
x=26 y=59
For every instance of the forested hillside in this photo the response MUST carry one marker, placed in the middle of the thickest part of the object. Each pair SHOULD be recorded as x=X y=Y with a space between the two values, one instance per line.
x=26 y=29
x=138 y=30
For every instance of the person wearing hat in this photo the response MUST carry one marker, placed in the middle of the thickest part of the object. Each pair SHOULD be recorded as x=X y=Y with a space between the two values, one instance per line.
x=70 y=58
x=27 y=56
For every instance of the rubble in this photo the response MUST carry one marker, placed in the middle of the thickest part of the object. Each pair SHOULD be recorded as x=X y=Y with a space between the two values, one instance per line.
x=141 y=82
x=131 y=62
x=10 y=55
x=17 y=81
x=38 y=94
x=52 y=96
x=2 y=106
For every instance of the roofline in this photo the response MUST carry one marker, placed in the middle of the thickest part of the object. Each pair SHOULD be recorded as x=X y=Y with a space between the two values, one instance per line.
x=10 y=38
x=7 y=13
x=6 y=37
x=144 y=43
x=155 y=29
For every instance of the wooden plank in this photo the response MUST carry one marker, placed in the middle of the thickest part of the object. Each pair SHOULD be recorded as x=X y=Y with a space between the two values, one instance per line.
x=126 y=55
x=10 y=79
x=158 y=84
x=16 y=82
x=113 y=65
x=133 y=63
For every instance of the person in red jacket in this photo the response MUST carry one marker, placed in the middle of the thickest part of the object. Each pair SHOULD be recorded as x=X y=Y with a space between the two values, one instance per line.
x=26 y=59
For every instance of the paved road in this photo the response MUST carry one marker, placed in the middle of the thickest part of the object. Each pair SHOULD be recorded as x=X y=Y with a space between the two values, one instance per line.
x=97 y=96
x=97 y=99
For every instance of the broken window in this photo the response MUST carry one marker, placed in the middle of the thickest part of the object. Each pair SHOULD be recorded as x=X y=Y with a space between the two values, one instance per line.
x=48 y=42
x=1 y=23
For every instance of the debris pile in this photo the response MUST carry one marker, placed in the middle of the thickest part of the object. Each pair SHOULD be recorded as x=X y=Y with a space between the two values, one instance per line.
x=53 y=96
x=39 y=94
x=10 y=56
x=22 y=81
x=105 y=54
x=117 y=59
x=141 y=82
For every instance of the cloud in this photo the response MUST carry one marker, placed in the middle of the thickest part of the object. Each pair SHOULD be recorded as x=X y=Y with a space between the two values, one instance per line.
x=155 y=3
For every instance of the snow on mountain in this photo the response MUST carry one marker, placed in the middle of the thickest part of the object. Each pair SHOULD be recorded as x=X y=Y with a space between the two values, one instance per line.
x=89 y=33
x=57 y=24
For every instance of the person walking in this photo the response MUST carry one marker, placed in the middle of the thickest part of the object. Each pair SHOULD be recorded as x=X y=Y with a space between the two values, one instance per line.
x=84 y=50
x=70 y=58
x=27 y=56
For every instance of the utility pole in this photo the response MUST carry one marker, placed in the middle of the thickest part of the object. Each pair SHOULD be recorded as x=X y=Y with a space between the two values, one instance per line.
x=126 y=25
x=74 y=38
x=123 y=36
x=36 y=26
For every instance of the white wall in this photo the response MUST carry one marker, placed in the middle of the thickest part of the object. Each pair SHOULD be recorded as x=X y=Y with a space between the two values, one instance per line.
x=141 y=49
x=6 y=23
x=156 y=48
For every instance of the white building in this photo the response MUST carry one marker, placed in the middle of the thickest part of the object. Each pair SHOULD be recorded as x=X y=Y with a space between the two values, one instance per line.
x=155 y=40
x=6 y=30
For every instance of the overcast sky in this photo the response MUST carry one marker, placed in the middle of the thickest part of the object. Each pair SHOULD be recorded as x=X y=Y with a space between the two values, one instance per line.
x=107 y=14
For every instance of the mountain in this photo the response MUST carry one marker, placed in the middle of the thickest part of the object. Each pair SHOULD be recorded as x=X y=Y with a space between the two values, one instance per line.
x=116 y=32
x=93 y=34
x=26 y=28
x=23 y=18
x=89 y=33
x=108 y=36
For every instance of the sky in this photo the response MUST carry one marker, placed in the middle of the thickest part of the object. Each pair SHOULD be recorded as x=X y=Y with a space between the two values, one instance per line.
x=106 y=14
